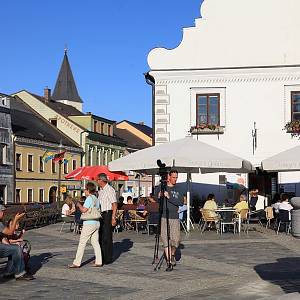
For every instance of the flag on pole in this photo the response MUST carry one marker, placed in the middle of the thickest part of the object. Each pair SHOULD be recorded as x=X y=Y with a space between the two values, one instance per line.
x=59 y=156
x=45 y=154
x=48 y=156
x=66 y=160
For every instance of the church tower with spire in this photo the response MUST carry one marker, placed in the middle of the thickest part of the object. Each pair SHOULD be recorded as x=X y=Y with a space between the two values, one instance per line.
x=65 y=90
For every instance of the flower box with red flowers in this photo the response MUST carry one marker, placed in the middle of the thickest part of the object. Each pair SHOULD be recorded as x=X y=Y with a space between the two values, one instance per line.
x=207 y=129
x=293 y=127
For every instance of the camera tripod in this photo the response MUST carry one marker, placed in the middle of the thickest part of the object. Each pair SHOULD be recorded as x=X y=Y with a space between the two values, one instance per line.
x=163 y=172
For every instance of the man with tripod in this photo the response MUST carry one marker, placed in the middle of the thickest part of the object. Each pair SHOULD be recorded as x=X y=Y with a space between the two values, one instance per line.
x=173 y=199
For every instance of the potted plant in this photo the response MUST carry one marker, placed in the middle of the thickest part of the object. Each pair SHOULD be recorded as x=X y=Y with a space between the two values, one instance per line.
x=293 y=127
x=206 y=129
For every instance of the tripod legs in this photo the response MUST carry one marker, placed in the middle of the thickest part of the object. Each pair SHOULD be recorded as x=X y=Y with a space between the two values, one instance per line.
x=160 y=262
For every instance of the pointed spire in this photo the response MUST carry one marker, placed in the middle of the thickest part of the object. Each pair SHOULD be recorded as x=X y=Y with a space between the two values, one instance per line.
x=65 y=87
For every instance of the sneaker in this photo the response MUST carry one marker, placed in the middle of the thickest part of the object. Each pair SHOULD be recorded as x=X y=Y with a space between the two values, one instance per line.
x=25 y=277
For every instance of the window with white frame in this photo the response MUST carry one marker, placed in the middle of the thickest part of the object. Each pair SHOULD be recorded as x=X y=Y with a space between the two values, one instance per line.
x=3 y=154
x=30 y=163
x=18 y=195
x=53 y=166
x=295 y=106
x=18 y=161
x=66 y=171
x=29 y=195
x=41 y=195
x=42 y=165
x=208 y=109
x=74 y=164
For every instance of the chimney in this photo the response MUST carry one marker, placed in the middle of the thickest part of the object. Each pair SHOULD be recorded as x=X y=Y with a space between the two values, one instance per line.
x=142 y=123
x=47 y=94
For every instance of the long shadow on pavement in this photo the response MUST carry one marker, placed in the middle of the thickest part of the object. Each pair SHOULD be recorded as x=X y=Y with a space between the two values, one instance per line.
x=121 y=247
x=37 y=261
x=284 y=273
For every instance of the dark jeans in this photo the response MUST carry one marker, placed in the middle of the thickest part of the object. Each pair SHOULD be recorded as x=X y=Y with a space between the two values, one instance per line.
x=105 y=237
x=15 y=263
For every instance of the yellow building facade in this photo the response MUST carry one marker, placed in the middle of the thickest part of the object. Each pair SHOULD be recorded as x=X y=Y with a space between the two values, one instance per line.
x=35 y=142
x=38 y=180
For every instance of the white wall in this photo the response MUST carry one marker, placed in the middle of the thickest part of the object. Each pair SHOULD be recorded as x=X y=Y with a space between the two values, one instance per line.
x=249 y=52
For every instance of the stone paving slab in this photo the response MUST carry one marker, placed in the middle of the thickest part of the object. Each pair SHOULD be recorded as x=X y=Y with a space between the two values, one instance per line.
x=260 y=265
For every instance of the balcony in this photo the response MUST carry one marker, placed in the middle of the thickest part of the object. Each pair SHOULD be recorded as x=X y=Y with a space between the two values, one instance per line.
x=206 y=129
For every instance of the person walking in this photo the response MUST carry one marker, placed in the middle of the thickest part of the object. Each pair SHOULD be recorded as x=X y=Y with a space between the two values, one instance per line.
x=108 y=202
x=90 y=228
x=174 y=199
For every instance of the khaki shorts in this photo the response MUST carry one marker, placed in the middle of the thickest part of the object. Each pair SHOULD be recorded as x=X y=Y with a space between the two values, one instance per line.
x=174 y=226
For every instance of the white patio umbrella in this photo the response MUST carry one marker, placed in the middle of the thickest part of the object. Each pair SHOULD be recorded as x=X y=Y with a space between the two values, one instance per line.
x=187 y=155
x=288 y=160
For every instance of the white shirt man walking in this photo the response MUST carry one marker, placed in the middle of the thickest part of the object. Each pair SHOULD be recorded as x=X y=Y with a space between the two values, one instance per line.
x=108 y=202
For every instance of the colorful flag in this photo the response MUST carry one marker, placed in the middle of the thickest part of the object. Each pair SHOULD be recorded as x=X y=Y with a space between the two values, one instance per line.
x=45 y=154
x=48 y=156
x=59 y=156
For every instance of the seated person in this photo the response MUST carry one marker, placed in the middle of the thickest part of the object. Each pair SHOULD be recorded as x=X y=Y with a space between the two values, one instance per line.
x=135 y=201
x=120 y=202
x=285 y=205
x=276 y=202
x=181 y=210
x=242 y=204
x=151 y=198
x=77 y=212
x=15 y=265
x=129 y=200
x=141 y=207
x=17 y=239
x=68 y=208
x=211 y=205
x=253 y=199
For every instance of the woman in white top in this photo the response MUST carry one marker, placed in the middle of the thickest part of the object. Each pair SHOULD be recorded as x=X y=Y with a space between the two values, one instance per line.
x=68 y=208
x=90 y=228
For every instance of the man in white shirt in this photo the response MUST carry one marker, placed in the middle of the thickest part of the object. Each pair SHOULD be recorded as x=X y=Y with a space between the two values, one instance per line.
x=108 y=202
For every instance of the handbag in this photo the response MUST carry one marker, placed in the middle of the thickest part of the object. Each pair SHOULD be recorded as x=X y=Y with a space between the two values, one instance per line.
x=93 y=213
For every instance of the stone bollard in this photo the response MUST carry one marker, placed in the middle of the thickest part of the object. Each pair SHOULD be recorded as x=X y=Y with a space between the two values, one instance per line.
x=295 y=202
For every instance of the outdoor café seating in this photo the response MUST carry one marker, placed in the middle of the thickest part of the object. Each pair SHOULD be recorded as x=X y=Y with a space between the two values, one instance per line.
x=227 y=218
x=244 y=220
x=284 y=219
x=208 y=221
x=67 y=220
x=152 y=221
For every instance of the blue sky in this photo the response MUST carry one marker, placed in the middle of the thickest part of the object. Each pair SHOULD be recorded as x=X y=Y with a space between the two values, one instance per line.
x=108 y=42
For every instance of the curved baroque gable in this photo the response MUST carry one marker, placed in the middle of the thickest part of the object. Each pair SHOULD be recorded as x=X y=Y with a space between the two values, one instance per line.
x=236 y=33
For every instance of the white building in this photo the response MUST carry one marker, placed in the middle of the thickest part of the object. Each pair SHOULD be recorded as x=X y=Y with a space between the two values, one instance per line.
x=238 y=68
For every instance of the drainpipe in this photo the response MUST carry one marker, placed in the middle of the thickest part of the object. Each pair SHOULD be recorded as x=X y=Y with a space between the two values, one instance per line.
x=151 y=81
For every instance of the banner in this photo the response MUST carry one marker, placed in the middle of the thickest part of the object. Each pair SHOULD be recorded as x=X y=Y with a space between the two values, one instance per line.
x=59 y=156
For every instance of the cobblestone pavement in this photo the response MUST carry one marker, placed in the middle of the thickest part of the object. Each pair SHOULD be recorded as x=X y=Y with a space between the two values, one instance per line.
x=260 y=265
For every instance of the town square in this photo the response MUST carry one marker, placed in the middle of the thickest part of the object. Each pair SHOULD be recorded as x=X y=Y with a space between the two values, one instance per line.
x=150 y=150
